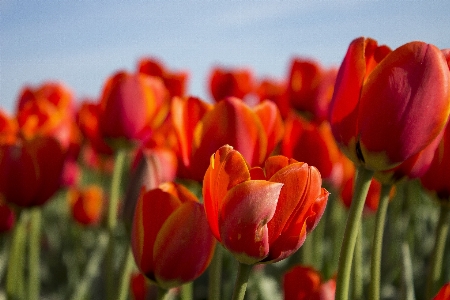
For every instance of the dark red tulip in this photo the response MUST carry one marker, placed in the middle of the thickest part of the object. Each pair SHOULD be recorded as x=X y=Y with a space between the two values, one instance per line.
x=388 y=105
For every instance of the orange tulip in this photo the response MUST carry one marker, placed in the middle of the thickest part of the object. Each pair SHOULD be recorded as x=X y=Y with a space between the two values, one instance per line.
x=388 y=105
x=261 y=215
x=88 y=121
x=175 y=82
x=275 y=91
x=225 y=83
x=314 y=144
x=56 y=93
x=131 y=106
x=305 y=283
x=86 y=204
x=310 y=88
x=444 y=292
x=49 y=110
x=202 y=130
x=171 y=240
x=8 y=128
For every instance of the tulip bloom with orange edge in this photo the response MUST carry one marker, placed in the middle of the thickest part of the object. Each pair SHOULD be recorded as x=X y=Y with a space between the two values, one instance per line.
x=202 y=129
x=310 y=88
x=305 y=283
x=261 y=215
x=86 y=204
x=314 y=144
x=175 y=82
x=131 y=106
x=171 y=241
x=388 y=105
x=444 y=293
x=225 y=83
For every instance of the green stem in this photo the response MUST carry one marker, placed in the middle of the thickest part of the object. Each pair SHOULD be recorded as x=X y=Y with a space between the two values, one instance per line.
x=92 y=267
x=241 y=281
x=215 y=273
x=307 y=250
x=358 y=266
x=377 y=245
x=187 y=291
x=119 y=164
x=128 y=265
x=15 y=286
x=361 y=188
x=437 y=257
x=34 y=253
x=408 y=278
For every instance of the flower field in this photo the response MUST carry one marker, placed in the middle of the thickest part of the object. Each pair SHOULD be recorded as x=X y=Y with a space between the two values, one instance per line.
x=328 y=183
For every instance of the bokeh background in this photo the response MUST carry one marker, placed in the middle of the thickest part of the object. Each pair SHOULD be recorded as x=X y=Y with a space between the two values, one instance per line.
x=81 y=43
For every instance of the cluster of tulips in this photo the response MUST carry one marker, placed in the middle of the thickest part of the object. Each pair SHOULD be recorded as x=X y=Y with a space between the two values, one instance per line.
x=171 y=196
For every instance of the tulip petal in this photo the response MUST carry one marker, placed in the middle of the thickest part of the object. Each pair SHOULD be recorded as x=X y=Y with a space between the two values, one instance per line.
x=272 y=122
x=230 y=122
x=404 y=104
x=295 y=178
x=246 y=210
x=152 y=210
x=361 y=57
x=184 y=246
x=227 y=169
x=300 y=192
x=186 y=113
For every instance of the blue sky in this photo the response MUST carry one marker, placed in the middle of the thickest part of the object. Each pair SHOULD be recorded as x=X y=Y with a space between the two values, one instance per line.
x=81 y=43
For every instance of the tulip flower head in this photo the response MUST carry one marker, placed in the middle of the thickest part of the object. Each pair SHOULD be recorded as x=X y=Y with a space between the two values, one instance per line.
x=171 y=240
x=86 y=204
x=388 y=105
x=131 y=106
x=305 y=283
x=261 y=215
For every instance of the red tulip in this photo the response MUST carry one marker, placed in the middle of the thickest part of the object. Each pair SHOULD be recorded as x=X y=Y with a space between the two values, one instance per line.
x=56 y=93
x=261 y=215
x=88 y=121
x=275 y=91
x=132 y=105
x=86 y=204
x=171 y=240
x=314 y=144
x=151 y=167
x=175 y=82
x=436 y=179
x=272 y=122
x=388 y=106
x=310 y=88
x=444 y=292
x=305 y=283
x=30 y=170
x=202 y=130
x=226 y=83
x=8 y=129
